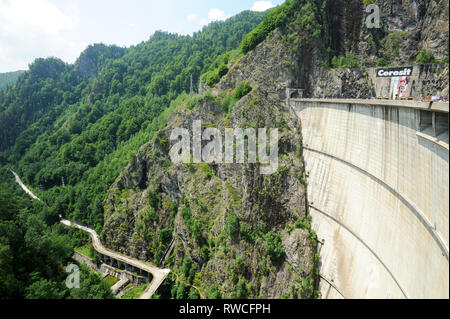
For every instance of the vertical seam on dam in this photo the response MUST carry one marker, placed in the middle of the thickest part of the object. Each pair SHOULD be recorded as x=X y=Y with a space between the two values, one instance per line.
x=419 y=215
x=364 y=243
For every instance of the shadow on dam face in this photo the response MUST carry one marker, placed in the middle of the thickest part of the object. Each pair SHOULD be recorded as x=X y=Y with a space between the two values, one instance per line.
x=362 y=242
x=432 y=147
x=379 y=197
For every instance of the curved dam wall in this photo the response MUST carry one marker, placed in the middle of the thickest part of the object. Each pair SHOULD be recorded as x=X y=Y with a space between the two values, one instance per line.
x=378 y=195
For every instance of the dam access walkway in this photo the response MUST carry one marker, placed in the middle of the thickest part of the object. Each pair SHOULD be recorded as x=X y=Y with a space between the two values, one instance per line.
x=158 y=274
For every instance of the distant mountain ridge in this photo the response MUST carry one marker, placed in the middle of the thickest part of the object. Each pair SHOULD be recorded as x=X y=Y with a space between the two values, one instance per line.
x=9 y=78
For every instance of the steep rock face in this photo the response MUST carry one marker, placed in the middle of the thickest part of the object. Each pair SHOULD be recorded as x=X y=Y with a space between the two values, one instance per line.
x=225 y=218
x=406 y=27
x=349 y=83
x=434 y=33
x=434 y=80
x=343 y=23
x=427 y=20
x=270 y=64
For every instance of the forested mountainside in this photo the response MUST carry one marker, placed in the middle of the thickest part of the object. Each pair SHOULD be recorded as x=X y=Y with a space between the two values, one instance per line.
x=63 y=122
x=8 y=79
x=91 y=139
x=78 y=126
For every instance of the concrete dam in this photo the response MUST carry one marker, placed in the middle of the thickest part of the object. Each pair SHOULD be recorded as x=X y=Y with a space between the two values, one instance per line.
x=378 y=195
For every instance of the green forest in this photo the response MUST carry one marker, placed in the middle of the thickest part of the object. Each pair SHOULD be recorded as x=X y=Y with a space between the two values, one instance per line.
x=8 y=79
x=68 y=130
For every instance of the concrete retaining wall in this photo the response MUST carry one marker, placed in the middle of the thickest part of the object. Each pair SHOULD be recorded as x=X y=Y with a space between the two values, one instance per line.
x=378 y=192
x=105 y=270
x=80 y=258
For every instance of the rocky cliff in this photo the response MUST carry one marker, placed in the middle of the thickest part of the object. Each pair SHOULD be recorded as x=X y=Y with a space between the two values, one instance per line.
x=407 y=28
x=246 y=233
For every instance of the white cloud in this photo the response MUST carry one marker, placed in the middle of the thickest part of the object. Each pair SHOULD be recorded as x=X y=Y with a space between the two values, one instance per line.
x=203 y=22
x=262 y=6
x=37 y=13
x=192 y=17
x=216 y=14
x=30 y=29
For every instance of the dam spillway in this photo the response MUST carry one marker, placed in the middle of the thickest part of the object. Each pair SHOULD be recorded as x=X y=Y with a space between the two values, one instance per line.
x=378 y=195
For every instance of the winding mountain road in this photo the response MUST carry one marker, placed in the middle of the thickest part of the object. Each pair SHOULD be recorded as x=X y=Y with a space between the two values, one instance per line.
x=19 y=181
x=158 y=274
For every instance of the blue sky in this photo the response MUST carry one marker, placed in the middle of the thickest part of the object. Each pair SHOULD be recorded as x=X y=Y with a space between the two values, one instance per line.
x=42 y=28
